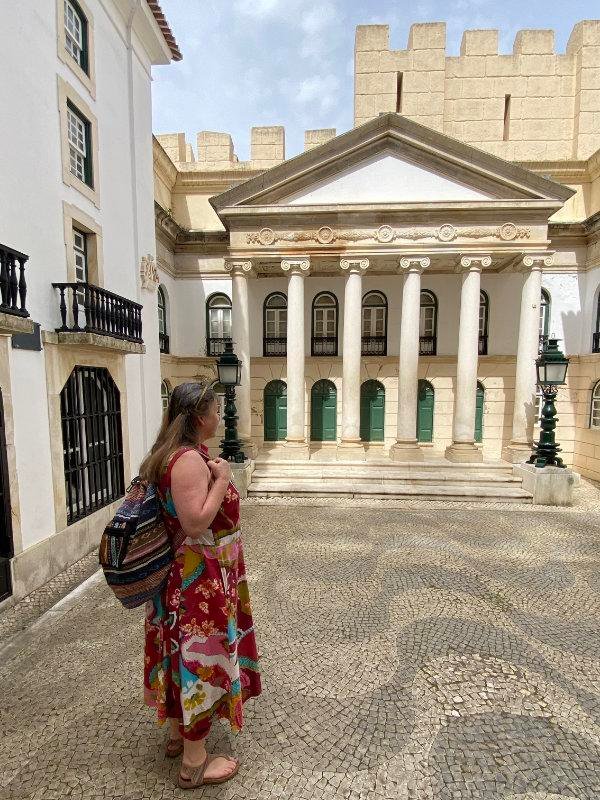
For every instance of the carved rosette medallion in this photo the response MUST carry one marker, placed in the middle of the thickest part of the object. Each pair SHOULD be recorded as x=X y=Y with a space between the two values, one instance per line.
x=384 y=234
x=325 y=235
x=266 y=236
x=446 y=233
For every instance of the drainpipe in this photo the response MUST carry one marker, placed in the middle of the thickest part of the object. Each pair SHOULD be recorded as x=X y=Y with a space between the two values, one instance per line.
x=134 y=6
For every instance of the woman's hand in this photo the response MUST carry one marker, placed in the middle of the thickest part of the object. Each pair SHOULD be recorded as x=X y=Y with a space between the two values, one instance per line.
x=220 y=469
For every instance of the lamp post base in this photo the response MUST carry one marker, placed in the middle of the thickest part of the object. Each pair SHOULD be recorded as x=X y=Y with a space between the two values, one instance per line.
x=549 y=486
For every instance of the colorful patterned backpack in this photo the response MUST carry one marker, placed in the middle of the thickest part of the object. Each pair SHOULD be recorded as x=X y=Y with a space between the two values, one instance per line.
x=135 y=550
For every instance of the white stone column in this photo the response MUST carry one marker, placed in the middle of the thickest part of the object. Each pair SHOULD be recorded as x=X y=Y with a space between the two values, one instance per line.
x=463 y=446
x=240 y=271
x=407 y=447
x=519 y=448
x=351 y=445
x=296 y=444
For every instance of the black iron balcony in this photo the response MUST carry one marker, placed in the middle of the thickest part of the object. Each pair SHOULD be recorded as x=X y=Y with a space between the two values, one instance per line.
x=483 y=345
x=163 y=342
x=85 y=308
x=374 y=346
x=215 y=345
x=427 y=345
x=324 y=346
x=13 y=288
x=596 y=342
x=275 y=346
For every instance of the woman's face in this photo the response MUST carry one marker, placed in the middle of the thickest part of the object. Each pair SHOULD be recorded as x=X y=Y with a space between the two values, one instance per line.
x=209 y=422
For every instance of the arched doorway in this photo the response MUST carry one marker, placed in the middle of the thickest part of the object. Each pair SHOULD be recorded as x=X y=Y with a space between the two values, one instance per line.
x=323 y=412
x=275 y=411
x=372 y=411
x=479 y=412
x=6 y=539
x=425 y=403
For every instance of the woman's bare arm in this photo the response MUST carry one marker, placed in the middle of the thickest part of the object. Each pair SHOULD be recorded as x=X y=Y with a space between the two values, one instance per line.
x=195 y=503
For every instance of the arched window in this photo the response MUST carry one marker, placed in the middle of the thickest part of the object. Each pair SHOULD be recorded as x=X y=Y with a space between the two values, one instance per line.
x=595 y=406
x=76 y=34
x=484 y=313
x=428 y=324
x=545 y=308
x=275 y=325
x=218 y=323
x=165 y=394
x=90 y=410
x=596 y=336
x=163 y=324
x=374 y=324
x=324 y=339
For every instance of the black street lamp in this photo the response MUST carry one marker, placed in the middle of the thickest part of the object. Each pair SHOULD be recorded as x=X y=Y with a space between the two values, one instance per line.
x=229 y=369
x=551 y=368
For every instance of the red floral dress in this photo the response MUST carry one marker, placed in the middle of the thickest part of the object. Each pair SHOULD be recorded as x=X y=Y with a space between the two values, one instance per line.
x=201 y=657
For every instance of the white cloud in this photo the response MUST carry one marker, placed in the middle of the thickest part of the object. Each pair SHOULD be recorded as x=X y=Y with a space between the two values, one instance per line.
x=319 y=91
x=257 y=8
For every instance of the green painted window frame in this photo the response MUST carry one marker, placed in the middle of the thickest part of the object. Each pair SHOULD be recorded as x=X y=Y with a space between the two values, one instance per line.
x=362 y=389
x=84 y=60
x=88 y=168
x=420 y=382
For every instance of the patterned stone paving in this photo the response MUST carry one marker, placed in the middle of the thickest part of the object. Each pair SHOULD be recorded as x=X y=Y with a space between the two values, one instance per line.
x=413 y=652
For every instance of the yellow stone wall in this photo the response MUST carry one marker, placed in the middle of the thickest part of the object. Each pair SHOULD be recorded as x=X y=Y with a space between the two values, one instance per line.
x=555 y=97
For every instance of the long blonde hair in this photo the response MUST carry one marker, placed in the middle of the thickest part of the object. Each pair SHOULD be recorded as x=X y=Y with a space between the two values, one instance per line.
x=179 y=427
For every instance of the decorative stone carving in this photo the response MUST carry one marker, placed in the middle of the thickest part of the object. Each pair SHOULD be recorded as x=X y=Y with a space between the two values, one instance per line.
x=240 y=268
x=385 y=234
x=299 y=266
x=477 y=262
x=149 y=273
x=354 y=264
x=415 y=263
x=538 y=258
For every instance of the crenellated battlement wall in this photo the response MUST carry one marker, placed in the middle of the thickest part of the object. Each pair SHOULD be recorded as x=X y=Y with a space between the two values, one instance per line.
x=531 y=105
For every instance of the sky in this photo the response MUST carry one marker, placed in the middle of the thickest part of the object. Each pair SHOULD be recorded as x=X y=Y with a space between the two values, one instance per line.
x=290 y=62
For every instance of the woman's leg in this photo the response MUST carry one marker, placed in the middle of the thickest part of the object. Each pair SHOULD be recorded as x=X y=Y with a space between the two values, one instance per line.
x=194 y=755
x=174 y=725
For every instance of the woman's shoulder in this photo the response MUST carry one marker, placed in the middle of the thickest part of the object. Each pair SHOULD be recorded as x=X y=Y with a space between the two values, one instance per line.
x=182 y=457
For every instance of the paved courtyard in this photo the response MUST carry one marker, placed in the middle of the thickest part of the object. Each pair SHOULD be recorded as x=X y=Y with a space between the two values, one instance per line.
x=408 y=651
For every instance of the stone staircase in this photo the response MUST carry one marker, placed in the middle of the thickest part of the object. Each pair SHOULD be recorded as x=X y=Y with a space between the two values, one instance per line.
x=423 y=480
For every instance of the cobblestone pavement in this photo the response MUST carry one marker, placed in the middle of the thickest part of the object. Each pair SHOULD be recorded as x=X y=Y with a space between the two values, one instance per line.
x=414 y=653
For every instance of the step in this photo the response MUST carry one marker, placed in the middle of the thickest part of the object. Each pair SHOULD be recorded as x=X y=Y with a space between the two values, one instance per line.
x=431 y=491
x=296 y=467
x=383 y=476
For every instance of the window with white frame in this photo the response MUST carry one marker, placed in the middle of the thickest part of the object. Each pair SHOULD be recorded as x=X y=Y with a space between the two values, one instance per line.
x=595 y=406
x=80 y=152
x=76 y=33
x=374 y=314
x=80 y=252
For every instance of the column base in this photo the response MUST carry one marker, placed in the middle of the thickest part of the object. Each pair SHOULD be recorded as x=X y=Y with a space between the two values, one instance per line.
x=517 y=452
x=295 y=449
x=249 y=448
x=406 y=451
x=351 y=450
x=463 y=452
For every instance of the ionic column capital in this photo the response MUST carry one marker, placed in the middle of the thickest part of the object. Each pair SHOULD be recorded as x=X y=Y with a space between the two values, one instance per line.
x=474 y=263
x=535 y=261
x=240 y=267
x=414 y=263
x=296 y=266
x=354 y=265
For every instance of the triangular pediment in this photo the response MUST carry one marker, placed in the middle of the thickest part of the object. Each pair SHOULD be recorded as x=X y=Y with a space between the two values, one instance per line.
x=386 y=178
x=390 y=160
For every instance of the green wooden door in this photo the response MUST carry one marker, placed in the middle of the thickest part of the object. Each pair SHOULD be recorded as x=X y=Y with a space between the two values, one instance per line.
x=479 y=413
x=425 y=412
x=275 y=411
x=372 y=411
x=323 y=412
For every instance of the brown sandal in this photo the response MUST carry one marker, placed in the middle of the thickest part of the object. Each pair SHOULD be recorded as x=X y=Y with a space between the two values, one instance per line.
x=196 y=776
x=174 y=748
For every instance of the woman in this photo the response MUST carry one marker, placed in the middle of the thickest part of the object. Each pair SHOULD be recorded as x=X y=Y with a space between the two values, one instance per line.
x=201 y=659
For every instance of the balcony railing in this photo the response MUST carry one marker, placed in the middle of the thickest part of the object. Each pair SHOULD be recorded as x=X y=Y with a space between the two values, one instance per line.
x=596 y=342
x=274 y=345
x=85 y=308
x=163 y=342
x=427 y=345
x=373 y=345
x=483 y=345
x=324 y=346
x=215 y=346
x=13 y=288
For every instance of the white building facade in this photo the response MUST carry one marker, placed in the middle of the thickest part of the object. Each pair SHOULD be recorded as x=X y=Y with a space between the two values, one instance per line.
x=389 y=288
x=79 y=349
